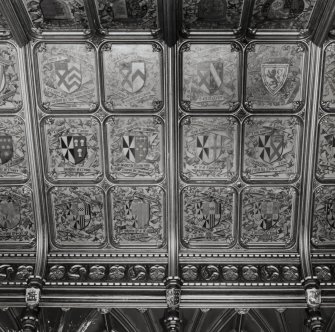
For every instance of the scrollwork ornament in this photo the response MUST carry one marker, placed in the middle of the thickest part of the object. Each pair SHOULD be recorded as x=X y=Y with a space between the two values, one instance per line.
x=290 y=273
x=250 y=273
x=185 y=47
x=301 y=47
x=210 y=273
x=323 y=273
x=186 y=105
x=189 y=272
x=156 y=47
x=137 y=273
x=116 y=272
x=6 y=271
x=24 y=271
x=296 y=105
x=186 y=121
x=77 y=272
x=230 y=272
x=270 y=273
x=56 y=272
x=250 y=48
x=235 y=47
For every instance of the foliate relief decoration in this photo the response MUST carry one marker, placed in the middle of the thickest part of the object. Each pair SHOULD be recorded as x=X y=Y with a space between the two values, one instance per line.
x=282 y=14
x=275 y=77
x=133 y=77
x=3 y=24
x=14 y=272
x=323 y=272
x=72 y=148
x=77 y=216
x=209 y=148
x=271 y=148
x=138 y=216
x=67 y=74
x=216 y=14
x=328 y=86
x=210 y=76
x=13 y=149
x=127 y=14
x=325 y=169
x=323 y=225
x=135 y=148
x=57 y=14
x=10 y=87
x=17 y=221
x=268 y=216
x=208 y=216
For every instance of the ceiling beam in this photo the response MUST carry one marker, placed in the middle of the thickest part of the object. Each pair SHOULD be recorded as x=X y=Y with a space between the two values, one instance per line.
x=168 y=22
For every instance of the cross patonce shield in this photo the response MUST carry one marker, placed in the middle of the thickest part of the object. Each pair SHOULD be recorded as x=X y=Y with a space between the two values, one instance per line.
x=6 y=148
x=133 y=76
x=269 y=214
x=135 y=148
x=74 y=148
x=274 y=76
x=209 y=147
x=210 y=76
x=270 y=147
x=79 y=213
x=68 y=76
x=10 y=212
x=209 y=213
x=330 y=213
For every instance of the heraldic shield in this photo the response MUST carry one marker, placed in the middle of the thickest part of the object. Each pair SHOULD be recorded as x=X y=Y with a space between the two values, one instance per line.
x=270 y=147
x=6 y=148
x=209 y=147
x=78 y=214
x=68 y=76
x=274 y=76
x=208 y=213
x=2 y=77
x=74 y=148
x=330 y=213
x=135 y=148
x=133 y=75
x=210 y=76
x=138 y=213
x=269 y=214
x=10 y=212
x=331 y=141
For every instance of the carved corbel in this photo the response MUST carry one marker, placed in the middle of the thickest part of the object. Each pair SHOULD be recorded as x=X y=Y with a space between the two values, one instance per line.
x=313 y=299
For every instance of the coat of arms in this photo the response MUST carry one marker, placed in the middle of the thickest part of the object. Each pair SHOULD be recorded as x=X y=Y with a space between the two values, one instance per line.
x=208 y=213
x=10 y=214
x=274 y=76
x=210 y=76
x=267 y=213
x=135 y=148
x=6 y=148
x=137 y=213
x=68 y=76
x=330 y=213
x=74 y=148
x=331 y=141
x=209 y=147
x=79 y=214
x=270 y=147
x=133 y=74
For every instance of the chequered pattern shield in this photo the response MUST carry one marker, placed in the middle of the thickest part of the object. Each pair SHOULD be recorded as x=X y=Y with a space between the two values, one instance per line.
x=6 y=148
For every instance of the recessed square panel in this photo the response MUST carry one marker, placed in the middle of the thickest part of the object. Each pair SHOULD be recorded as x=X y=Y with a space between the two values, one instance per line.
x=58 y=14
x=323 y=221
x=267 y=218
x=127 y=14
x=209 y=148
x=17 y=220
x=271 y=148
x=72 y=148
x=275 y=76
x=77 y=217
x=133 y=76
x=208 y=216
x=135 y=148
x=10 y=86
x=214 y=14
x=138 y=216
x=13 y=149
x=328 y=91
x=282 y=14
x=210 y=76
x=67 y=75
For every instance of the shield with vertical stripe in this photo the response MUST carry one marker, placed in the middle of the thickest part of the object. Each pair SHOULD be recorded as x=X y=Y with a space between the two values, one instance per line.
x=133 y=75
x=210 y=76
x=79 y=214
x=209 y=147
x=209 y=213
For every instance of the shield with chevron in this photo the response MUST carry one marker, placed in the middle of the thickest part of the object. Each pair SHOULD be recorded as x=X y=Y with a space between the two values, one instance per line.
x=133 y=76
x=270 y=147
x=209 y=147
x=68 y=76
x=210 y=76
x=135 y=148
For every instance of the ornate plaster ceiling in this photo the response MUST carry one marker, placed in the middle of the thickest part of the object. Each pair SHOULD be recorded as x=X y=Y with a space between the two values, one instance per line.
x=141 y=140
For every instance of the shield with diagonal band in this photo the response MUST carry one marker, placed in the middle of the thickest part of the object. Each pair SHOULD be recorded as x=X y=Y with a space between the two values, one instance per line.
x=210 y=76
x=6 y=148
x=270 y=147
x=330 y=213
x=74 y=148
x=133 y=75
x=68 y=76
x=269 y=214
x=209 y=147
x=78 y=213
x=274 y=76
x=135 y=148
x=10 y=212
